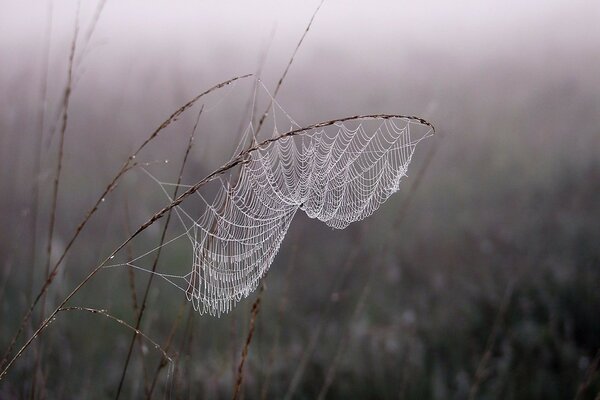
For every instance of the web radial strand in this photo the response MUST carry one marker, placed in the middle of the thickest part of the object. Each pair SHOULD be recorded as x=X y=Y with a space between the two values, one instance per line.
x=338 y=174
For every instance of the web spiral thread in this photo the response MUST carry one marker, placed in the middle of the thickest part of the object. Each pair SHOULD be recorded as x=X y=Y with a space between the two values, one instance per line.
x=336 y=174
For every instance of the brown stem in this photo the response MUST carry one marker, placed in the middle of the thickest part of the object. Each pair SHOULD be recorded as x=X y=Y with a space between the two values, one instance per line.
x=77 y=63
x=280 y=310
x=38 y=152
x=129 y=251
x=337 y=285
x=589 y=375
x=346 y=338
x=132 y=287
x=480 y=372
x=156 y=258
x=167 y=347
x=54 y=201
x=121 y=322
x=57 y=175
x=240 y=371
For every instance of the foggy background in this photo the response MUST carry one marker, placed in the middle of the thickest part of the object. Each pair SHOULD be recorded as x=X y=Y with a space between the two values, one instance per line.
x=480 y=277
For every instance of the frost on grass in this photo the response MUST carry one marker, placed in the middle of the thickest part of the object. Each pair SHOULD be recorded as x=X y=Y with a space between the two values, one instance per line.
x=338 y=174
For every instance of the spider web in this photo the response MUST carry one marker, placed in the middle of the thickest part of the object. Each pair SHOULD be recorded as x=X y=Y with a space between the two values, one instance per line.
x=337 y=174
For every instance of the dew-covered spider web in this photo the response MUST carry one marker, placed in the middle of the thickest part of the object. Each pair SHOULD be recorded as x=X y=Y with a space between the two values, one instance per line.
x=337 y=174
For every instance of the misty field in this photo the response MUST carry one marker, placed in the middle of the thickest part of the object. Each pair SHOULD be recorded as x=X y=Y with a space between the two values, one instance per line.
x=134 y=140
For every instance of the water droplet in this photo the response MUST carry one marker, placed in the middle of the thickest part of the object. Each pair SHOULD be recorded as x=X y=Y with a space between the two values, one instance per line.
x=103 y=199
x=133 y=157
x=166 y=161
x=111 y=257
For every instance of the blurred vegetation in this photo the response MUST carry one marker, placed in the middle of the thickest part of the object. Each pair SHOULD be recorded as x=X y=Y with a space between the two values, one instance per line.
x=480 y=279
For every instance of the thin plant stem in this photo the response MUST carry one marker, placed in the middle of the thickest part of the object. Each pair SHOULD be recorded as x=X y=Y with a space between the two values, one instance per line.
x=250 y=107
x=287 y=68
x=167 y=347
x=121 y=322
x=38 y=151
x=157 y=257
x=90 y=32
x=129 y=251
x=77 y=63
x=481 y=371
x=186 y=339
x=589 y=376
x=403 y=211
x=280 y=310
x=345 y=268
x=240 y=370
x=55 y=189
x=132 y=287
x=329 y=377
x=57 y=176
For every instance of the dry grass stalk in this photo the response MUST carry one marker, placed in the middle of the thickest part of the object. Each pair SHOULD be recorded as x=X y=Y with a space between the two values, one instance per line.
x=57 y=175
x=481 y=371
x=185 y=346
x=240 y=370
x=329 y=377
x=157 y=257
x=280 y=310
x=77 y=62
x=281 y=79
x=336 y=287
x=55 y=189
x=129 y=252
x=167 y=347
x=121 y=322
x=589 y=376
x=38 y=152
x=132 y=287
